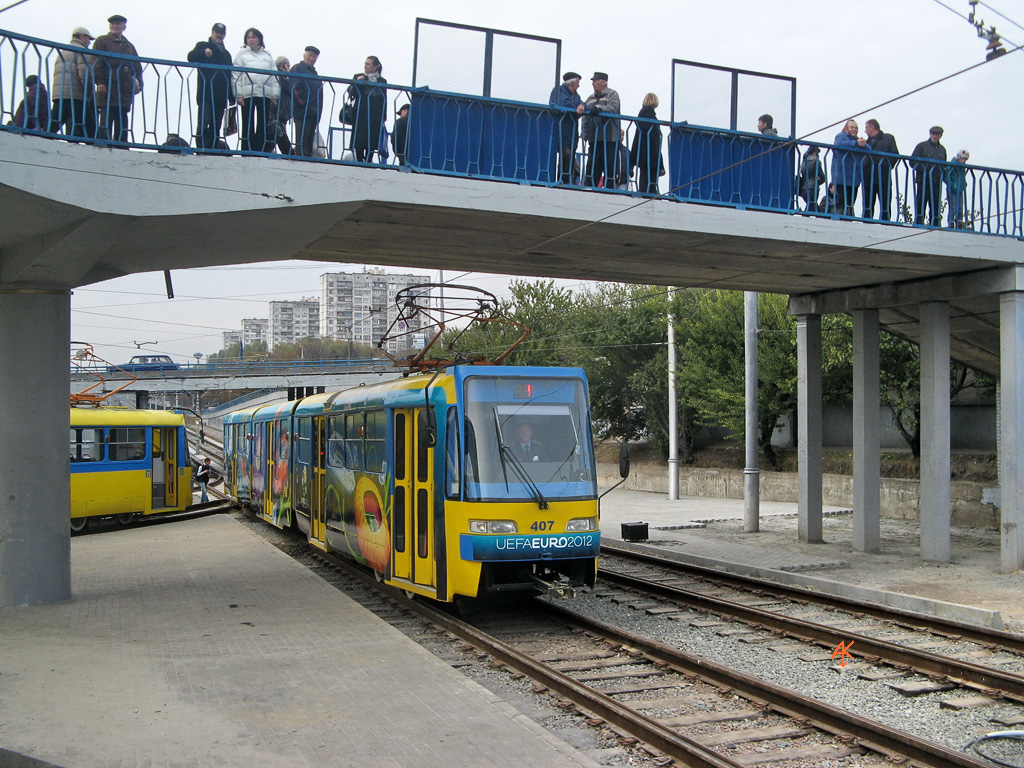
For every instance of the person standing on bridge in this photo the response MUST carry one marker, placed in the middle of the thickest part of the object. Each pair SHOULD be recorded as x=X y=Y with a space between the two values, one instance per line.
x=766 y=125
x=74 y=108
x=928 y=178
x=371 y=109
x=566 y=97
x=256 y=92
x=203 y=476
x=645 y=153
x=602 y=132
x=955 y=177
x=307 y=101
x=117 y=80
x=878 y=171
x=213 y=85
x=847 y=167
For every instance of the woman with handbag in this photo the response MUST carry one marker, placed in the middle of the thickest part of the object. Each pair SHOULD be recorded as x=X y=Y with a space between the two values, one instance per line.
x=256 y=93
x=370 y=108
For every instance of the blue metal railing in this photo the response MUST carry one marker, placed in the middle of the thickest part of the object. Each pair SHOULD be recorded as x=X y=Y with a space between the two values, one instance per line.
x=494 y=139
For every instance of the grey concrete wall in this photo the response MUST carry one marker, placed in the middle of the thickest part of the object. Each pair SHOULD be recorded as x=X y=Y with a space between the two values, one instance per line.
x=972 y=427
x=901 y=499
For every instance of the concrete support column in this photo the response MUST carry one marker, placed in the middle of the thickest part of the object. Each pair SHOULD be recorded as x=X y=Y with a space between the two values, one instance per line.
x=1011 y=435
x=935 y=458
x=866 y=432
x=35 y=537
x=808 y=348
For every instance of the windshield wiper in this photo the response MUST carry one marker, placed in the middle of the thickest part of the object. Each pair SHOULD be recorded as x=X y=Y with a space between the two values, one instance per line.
x=505 y=452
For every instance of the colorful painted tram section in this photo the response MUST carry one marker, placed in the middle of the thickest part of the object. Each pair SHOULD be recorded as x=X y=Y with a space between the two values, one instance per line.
x=428 y=479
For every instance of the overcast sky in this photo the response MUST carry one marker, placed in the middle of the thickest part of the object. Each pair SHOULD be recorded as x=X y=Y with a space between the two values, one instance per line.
x=846 y=57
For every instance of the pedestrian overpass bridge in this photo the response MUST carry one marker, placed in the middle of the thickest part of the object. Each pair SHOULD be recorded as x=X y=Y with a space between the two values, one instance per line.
x=76 y=214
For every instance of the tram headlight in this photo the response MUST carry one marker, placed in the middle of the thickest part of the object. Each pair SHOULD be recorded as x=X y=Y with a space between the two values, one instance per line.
x=492 y=526
x=581 y=524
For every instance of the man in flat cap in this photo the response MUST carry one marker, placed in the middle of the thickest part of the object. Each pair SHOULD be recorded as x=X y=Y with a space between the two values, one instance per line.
x=213 y=85
x=307 y=100
x=117 y=81
x=566 y=97
x=74 y=108
x=928 y=178
x=602 y=132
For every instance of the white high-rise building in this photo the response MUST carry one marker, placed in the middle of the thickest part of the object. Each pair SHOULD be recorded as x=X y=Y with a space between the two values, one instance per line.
x=231 y=339
x=360 y=306
x=293 y=320
x=254 y=329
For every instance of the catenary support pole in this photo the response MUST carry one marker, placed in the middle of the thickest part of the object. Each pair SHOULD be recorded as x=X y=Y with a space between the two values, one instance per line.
x=808 y=351
x=867 y=431
x=35 y=378
x=751 y=472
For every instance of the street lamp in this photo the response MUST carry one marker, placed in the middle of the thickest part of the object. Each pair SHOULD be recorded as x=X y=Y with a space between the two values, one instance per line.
x=198 y=356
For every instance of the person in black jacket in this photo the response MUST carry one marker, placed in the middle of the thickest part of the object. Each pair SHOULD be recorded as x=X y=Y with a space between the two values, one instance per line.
x=371 y=109
x=400 y=135
x=878 y=171
x=203 y=476
x=307 y=101
x=645 y=153
x=928 y=178
x=213 y=86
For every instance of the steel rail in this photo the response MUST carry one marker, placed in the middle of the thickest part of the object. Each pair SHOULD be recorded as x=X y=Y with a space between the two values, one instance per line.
x=688 y=751
x=928 y=663
x=972 y=632
x=844 y=724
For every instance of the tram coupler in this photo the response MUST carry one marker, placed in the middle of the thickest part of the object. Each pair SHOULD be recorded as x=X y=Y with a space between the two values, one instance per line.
x=557 y=589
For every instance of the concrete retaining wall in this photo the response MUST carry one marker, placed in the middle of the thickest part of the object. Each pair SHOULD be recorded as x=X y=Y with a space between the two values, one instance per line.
x=971 y=502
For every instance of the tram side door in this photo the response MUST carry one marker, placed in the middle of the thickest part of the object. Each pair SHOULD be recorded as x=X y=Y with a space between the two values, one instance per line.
x=267 y=460
x=317 y=529
x=413 y=511
x=171 y=467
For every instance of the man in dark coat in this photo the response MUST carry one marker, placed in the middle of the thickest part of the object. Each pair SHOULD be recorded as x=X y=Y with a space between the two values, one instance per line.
x=878 y=171
x=566 y=96
x=117 y=80
x=307 y=100
x=400 y=136
x=602 y=132
x=928 y=178
x=213 y=86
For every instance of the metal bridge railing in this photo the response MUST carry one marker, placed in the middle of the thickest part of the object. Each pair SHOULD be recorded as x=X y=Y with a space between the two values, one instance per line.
x=484 y=138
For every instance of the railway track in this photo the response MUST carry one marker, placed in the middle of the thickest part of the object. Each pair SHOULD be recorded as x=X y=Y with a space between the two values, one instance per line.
x=892 y=646
x=685 y=708
x=195 y=511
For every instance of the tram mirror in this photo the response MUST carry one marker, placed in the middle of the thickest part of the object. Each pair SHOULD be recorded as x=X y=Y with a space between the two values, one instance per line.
x=624 y=460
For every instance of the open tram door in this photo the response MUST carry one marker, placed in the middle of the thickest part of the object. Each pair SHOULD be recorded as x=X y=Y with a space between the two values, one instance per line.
x=165 y=467
x=317 y=526
x=413 y=542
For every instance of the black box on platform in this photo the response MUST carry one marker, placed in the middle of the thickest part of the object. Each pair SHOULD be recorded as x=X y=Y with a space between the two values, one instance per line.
x=634 y=531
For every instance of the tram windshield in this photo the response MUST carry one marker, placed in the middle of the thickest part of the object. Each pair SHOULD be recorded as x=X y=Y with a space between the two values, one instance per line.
x=527 y=440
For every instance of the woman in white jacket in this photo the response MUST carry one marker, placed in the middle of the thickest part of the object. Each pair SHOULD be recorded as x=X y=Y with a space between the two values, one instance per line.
x=256 y=93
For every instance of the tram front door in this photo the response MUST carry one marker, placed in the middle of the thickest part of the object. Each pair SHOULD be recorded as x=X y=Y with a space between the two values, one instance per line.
x=412 y=529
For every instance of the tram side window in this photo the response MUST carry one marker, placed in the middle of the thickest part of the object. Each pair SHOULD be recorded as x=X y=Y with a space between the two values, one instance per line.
x=451 y=456
x=305 y=446
x=376 y=435
x=354 y=441
x=87 y=444
x=336 y=441
x=127 y=443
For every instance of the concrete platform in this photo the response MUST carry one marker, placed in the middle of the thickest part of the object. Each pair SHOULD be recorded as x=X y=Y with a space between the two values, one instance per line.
x=970 y=588
x=199 y=644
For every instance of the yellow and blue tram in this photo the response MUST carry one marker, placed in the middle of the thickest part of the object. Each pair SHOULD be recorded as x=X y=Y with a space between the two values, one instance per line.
x=126 y=462
x=428 y=480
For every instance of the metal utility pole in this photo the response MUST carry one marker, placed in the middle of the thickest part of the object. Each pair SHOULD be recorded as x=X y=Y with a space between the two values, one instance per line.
x=673 y=415
x=751 y=472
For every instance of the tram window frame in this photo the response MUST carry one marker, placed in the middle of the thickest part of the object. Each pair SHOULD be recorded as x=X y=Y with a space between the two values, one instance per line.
x=304 y=444
x=423 y=446
x=126 y=443
x=354 y=430
x=336 y=441
x=375 y=441
x=83 y=450
x=452 y=465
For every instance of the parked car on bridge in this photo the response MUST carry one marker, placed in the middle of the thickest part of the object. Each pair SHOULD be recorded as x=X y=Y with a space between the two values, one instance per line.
x=147 y=363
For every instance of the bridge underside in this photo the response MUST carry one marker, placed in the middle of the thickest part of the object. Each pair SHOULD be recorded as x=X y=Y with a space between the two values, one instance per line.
x=72 y=215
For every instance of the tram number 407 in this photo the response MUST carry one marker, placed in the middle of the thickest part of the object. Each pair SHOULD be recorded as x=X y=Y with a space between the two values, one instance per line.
x=543 y=525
